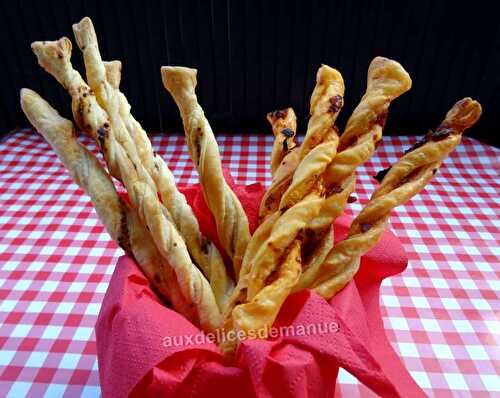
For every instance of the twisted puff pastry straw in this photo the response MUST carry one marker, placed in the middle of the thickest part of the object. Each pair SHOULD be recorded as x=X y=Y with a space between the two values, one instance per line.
x=302 y=200
x=255 y=317
x=54 y=57
x=193 y=284
x=284 y=125
x=205 y=254
x=321 y=140
x=403 y=180
x=326 y=102
x=108 y=95
x=231 y=220
x=275 y=267
x=120 y=222
x=239 y=294
x=283 y=163
x=387 y=80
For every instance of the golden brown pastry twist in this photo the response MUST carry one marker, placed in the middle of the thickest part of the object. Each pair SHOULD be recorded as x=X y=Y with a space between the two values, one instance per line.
x=321 y=140
x=55 y=58
x=256 y=316
x=275 y=262
x=204 y=253
x=284 y=125
x=302 y=201
x=120 y=222
x=114 y=127
x=284 y=160
x=193 y=284
x=108 y=95
x=230 y=218
x=386 y=81
x=403 y=180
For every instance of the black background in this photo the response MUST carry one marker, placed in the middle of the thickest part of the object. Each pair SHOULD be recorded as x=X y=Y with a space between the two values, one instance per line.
x=257 y=56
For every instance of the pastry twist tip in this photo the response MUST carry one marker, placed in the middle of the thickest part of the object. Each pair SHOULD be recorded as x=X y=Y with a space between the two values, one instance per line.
x=53 y=56
x=84 y=33
x=40 y=113
x=391 y=73
x=327 y=74
x=463 y=114
x=283 y=114
x=174 y=77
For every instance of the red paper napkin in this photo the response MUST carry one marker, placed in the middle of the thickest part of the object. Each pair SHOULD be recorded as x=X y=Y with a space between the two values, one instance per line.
x=147 y=349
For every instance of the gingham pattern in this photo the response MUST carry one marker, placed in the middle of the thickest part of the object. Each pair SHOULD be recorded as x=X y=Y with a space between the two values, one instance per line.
x=56 y=262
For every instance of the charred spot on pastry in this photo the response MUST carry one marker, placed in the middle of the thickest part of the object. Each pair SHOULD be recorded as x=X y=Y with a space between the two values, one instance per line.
x=106 y=125
x=350 y=142
x=333 y=190
x=279 y=114
x=204 y=245
x=336 y=102
x=365 y=227
x=175 y=244
x=83 y=48
x=410 y=176
x=272 y=247
x=102 y=135
x=124 y=237
x=352 y=199
x=416 y=145
x=309 y=240
x=80 y=110
x=197 y=146
x=434 y=171
x=440 y=135
x=272 y=276
x=381 y=174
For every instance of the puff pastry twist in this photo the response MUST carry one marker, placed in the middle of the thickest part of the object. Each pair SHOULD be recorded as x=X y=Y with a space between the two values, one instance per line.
x=104 y=79
x=285 y=158
x=284 y=126
x=120 y=221
x=230 y=218
x=321 y=140
x=275 y=267
x=402 y=181
x=386 y=81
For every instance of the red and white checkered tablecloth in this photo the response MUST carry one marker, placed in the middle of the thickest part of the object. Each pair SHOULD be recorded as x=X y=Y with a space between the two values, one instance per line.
x=442 y=315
